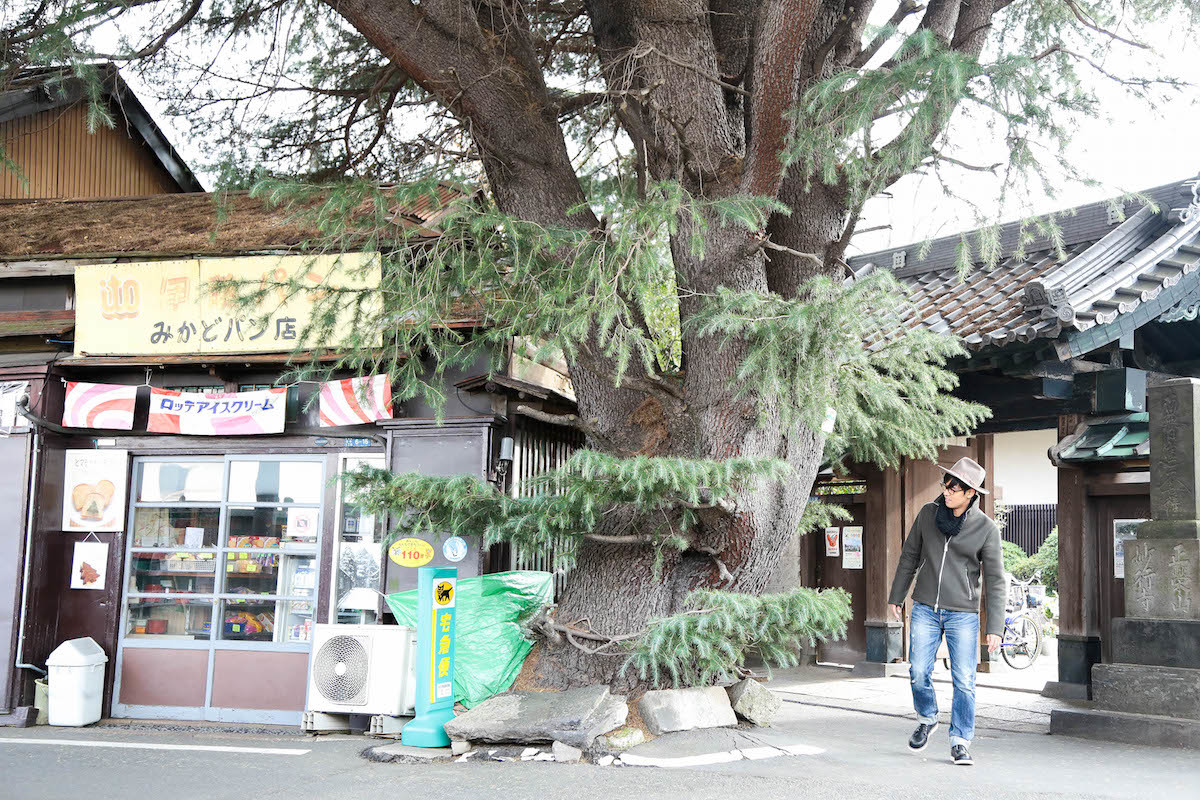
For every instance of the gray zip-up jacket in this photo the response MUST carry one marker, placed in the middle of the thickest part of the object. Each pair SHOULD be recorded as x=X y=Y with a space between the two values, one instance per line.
x=947 y=568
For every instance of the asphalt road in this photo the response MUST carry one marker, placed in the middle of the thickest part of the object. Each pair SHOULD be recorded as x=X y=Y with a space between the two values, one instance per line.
x=864 y=757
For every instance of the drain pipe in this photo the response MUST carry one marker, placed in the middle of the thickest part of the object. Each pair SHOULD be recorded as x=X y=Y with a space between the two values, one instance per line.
x=33 y=472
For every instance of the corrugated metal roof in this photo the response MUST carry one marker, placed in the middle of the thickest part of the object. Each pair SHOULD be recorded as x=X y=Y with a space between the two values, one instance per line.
x=1108 y=269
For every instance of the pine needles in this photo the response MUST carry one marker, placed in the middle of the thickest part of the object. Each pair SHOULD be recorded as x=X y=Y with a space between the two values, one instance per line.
x=708 y=642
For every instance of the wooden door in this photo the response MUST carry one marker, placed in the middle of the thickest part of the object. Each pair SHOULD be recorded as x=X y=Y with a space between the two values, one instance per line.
x=1111 y=588
x=831 y=573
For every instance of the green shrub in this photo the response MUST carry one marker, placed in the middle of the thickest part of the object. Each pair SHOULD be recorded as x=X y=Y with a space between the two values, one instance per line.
x=1045 y=559
x=1014 y=556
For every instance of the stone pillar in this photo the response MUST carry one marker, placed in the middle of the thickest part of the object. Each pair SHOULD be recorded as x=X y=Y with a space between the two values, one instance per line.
x=1151 y=693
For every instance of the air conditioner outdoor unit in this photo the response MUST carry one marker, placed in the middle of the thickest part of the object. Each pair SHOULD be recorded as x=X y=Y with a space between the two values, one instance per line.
x=363 y=669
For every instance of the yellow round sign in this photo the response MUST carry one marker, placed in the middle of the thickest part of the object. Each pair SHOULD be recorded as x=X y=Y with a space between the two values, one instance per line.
x=411 y=552
x=443 y=593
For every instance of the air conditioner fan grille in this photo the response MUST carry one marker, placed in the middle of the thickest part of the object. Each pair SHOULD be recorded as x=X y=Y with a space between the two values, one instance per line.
x=340 y=670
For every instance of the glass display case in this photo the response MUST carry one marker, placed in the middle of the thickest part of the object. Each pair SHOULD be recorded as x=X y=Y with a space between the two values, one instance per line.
x=358 y=559
x=224 y=550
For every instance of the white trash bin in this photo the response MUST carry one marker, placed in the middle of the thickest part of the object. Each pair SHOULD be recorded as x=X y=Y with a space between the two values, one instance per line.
x=76 y=682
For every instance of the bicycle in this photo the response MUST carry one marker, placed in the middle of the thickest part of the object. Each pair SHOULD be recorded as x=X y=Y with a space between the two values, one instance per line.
x=1021 y=642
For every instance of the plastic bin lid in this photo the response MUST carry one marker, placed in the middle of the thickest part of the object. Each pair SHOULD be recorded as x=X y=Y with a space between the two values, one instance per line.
x=77 y=653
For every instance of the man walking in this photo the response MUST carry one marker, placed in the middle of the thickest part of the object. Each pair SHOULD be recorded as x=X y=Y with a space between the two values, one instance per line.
x=949 y=542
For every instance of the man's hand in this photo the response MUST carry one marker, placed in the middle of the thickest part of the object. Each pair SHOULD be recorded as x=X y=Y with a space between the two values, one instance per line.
x=993 y=642
x=897 y=612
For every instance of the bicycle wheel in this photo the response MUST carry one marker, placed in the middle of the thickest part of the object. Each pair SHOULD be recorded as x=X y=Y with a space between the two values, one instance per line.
x=1022 y=643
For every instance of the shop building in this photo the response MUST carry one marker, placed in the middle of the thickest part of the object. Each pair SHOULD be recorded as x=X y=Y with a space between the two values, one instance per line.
x=216 y=553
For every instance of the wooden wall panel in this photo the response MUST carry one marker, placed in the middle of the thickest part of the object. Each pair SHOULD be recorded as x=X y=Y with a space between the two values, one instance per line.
x=61 y=159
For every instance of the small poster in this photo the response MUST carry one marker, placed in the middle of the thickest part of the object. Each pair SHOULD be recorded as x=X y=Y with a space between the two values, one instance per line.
x=832 y=542
x=94 y=490
x=852 y=547
x=1124 y=530
x=89 y=565
x=302 y=524
x=193 y=538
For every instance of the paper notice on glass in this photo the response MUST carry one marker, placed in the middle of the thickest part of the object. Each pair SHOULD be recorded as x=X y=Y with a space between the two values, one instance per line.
x=1124 y=530
x=193 y=538
x=832 y=542
x=852 y=544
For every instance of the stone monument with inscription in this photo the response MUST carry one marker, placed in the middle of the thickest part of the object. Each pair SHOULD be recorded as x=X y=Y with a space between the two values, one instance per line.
x=1150 y=693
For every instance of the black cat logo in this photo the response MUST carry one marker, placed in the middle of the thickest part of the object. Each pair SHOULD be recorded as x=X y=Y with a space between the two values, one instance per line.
x=444 y=591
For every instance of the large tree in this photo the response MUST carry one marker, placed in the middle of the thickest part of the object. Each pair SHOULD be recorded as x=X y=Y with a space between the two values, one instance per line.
x=671 y=186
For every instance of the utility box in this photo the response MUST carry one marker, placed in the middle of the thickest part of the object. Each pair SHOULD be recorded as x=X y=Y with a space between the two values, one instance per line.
x=76 y=682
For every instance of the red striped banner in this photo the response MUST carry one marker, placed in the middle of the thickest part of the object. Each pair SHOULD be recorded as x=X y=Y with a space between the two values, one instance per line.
x=99 y=405
x=356 y=401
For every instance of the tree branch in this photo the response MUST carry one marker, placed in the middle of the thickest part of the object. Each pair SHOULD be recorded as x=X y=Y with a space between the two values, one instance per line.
x=905 y=8
x=726 y=577
x=1088 y=23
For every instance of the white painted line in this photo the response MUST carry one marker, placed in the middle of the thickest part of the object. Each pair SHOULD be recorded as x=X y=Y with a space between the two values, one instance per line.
x=749 y=753
x=206 y=748
x=759 y=753
x=632 y=760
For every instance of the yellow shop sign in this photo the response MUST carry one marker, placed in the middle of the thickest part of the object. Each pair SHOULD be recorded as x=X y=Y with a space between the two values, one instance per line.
x=411 y=552
x=165 y=308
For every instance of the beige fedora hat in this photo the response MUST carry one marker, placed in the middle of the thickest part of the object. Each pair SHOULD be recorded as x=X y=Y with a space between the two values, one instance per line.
x=969 y=472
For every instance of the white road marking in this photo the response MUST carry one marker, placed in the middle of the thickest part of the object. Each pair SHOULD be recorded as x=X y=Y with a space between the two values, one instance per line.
x=750 y=754
x=206 y=748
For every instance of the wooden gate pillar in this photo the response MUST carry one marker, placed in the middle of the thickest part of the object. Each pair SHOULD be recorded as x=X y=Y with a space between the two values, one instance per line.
x=882 y=540
x=1078 y=591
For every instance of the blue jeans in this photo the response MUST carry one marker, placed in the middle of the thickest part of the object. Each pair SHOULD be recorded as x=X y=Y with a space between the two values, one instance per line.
x=961 y=629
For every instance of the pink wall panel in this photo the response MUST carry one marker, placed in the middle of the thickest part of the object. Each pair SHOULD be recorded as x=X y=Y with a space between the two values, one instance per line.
x=153 y=677
x=251 y=679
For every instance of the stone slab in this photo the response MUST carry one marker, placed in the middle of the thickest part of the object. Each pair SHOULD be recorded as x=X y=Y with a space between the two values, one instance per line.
x=1156 y=642
x=875 y=669
x=574 y=717
x=666 y=710
x=624 y=738
x=1162 y=578
x=754 y=702
x=1169 y=529
x=1064 y=690
x=1139 y=689
x=1115 y=726
x=408 y=753
x=1174 y=449
x=565 y=754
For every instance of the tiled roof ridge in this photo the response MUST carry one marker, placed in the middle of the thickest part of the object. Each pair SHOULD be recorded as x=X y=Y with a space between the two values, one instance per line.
x=1115 y=272
x=942 y=252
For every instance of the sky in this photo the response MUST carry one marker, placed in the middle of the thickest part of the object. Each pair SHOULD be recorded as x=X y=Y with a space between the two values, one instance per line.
x=1133 y=148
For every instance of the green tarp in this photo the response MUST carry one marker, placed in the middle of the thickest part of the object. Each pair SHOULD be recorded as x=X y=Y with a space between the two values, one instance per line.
x=488 y=646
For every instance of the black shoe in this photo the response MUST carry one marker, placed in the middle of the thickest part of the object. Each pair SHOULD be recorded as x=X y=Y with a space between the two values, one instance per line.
x=920 y=736
x=960 y=755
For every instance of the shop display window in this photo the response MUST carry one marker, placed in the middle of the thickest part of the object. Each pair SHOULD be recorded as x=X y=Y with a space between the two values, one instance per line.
x=243 y=569
x=359 y=556
x=172 y=572
x=168 y=618
x=276 y=482
x=176 y=527
x=180 y=482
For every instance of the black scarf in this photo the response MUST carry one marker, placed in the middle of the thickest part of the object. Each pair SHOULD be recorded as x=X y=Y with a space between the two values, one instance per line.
x=947 y=523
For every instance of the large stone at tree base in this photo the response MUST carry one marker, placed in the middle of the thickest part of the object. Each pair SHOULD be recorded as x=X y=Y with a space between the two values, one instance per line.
x=624 y=738
x=575 y=717
x=666 y=710
x=754 y=702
